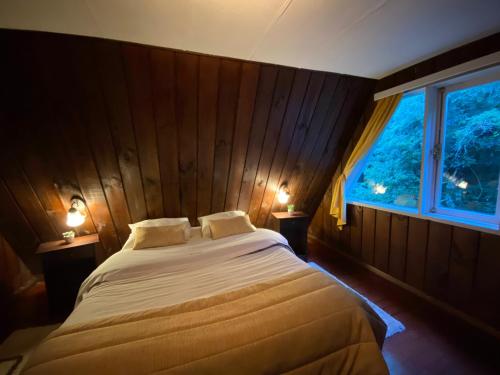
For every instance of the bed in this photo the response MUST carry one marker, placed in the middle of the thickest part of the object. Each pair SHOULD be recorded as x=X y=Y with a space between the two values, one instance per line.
x=244 y=304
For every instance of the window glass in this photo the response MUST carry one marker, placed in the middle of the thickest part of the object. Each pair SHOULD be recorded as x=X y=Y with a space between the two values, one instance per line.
x=391 y=174
x=471 y=149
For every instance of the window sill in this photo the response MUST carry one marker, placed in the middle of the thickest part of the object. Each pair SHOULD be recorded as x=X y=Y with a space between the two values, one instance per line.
x=466 y=223
x=386 y=207
x=440 y=218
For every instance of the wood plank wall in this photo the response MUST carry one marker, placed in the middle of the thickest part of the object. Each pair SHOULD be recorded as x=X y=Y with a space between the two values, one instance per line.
x=14 y=276
x=455 y=265
x=143 y=132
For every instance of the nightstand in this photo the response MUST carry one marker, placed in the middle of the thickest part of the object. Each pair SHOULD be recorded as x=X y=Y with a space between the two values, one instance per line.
x=65 y=266
x=294 y=228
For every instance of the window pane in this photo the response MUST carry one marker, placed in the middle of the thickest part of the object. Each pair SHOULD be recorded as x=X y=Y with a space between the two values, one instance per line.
x=392 y=173
x=471 y=162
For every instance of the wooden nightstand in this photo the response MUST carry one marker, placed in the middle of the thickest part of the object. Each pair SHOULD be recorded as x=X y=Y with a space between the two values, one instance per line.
x=294 y=228
x=65 y=266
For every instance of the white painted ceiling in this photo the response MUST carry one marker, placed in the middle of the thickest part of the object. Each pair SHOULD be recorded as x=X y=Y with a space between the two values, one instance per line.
x=369 y=38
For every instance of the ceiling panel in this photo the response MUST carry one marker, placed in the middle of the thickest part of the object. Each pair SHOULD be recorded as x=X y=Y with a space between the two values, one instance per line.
x=369 y=38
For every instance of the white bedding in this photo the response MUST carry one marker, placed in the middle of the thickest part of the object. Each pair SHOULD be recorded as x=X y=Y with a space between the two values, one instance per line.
x=135 y=280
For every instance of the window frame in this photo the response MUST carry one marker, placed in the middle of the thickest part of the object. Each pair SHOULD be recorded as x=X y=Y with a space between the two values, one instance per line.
x=431 y=167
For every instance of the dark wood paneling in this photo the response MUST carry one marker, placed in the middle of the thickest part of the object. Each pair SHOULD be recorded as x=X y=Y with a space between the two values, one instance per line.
x=486 y=300
x=349 y=116
x=316 y=227
x=356 y=224
x=317 y=135
x=263 y=101
x=136 y=60
x=163 y=73
x=143 y=132
x=15 y=225
x=416 y=252
x=246 y=104
x=94 y=117
x=293 y=107
x=58 y=81
x=463 y=258
x=344 y=237
x=208 y=89
x=327 y=218
x=229 y=77
x=438 y=259
x=38 y=149
x=397 y=252
x=186 y=88
x=382 y=240
x=18 y=184
x=13 y=277
x=275 y=120
x=110 y=66
x=368 y=236
x=300 y=135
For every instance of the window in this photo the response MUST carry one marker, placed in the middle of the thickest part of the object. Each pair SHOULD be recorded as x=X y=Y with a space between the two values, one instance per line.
x=439 y=155
x=470 y=157
x=391 y=175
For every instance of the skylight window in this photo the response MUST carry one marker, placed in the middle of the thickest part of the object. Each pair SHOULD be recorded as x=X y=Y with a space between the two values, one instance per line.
x=439 y=155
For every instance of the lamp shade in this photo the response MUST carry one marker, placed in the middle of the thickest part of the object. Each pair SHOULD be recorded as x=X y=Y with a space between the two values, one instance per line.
x=74 y=218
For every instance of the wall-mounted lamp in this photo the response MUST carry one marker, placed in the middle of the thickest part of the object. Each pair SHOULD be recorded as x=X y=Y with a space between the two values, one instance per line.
x=283 y=194
x=75 y=216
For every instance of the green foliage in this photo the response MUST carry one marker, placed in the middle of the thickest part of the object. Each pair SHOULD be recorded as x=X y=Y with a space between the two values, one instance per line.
x=394 y=162
x=471 y=163
x=472 y=149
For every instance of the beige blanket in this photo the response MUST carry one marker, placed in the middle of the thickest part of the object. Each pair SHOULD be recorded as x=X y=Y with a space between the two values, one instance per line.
x=302 y=323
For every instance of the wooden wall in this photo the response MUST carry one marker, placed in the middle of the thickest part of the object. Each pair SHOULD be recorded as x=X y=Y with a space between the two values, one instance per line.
x=143 y=132
x=455 y=265
x=14 y=276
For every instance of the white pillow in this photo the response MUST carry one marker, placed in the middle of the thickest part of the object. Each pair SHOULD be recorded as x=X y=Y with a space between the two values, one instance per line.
x=163 y=222
x=204 y=220
x=230 y=226
x=154 y=237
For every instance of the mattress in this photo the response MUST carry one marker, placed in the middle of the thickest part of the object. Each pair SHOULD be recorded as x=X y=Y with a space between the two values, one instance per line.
x=243 y=304
x=135 y=280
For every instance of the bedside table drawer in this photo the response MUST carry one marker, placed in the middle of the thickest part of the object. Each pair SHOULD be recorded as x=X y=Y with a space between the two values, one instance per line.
x=297 y=238
x=294 y=229
x=62 y=258
x=65 y=267
x=64 y=273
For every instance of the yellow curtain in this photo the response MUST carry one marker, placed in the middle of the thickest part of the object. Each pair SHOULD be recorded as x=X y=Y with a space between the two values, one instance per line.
x=381 y=115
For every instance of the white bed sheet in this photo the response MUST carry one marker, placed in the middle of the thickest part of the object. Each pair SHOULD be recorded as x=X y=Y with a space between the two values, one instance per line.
x=135 y=280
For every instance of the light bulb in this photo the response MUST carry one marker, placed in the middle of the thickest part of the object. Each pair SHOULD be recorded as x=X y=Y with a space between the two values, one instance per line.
x=74 y=218
x=283 y=196
x=379 y=189
x=463 y=184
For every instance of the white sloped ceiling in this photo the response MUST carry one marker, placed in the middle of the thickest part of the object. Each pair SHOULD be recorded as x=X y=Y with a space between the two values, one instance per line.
x=369 y=38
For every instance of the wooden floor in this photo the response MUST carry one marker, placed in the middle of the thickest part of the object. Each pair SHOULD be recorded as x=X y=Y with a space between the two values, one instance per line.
x=433 y=342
